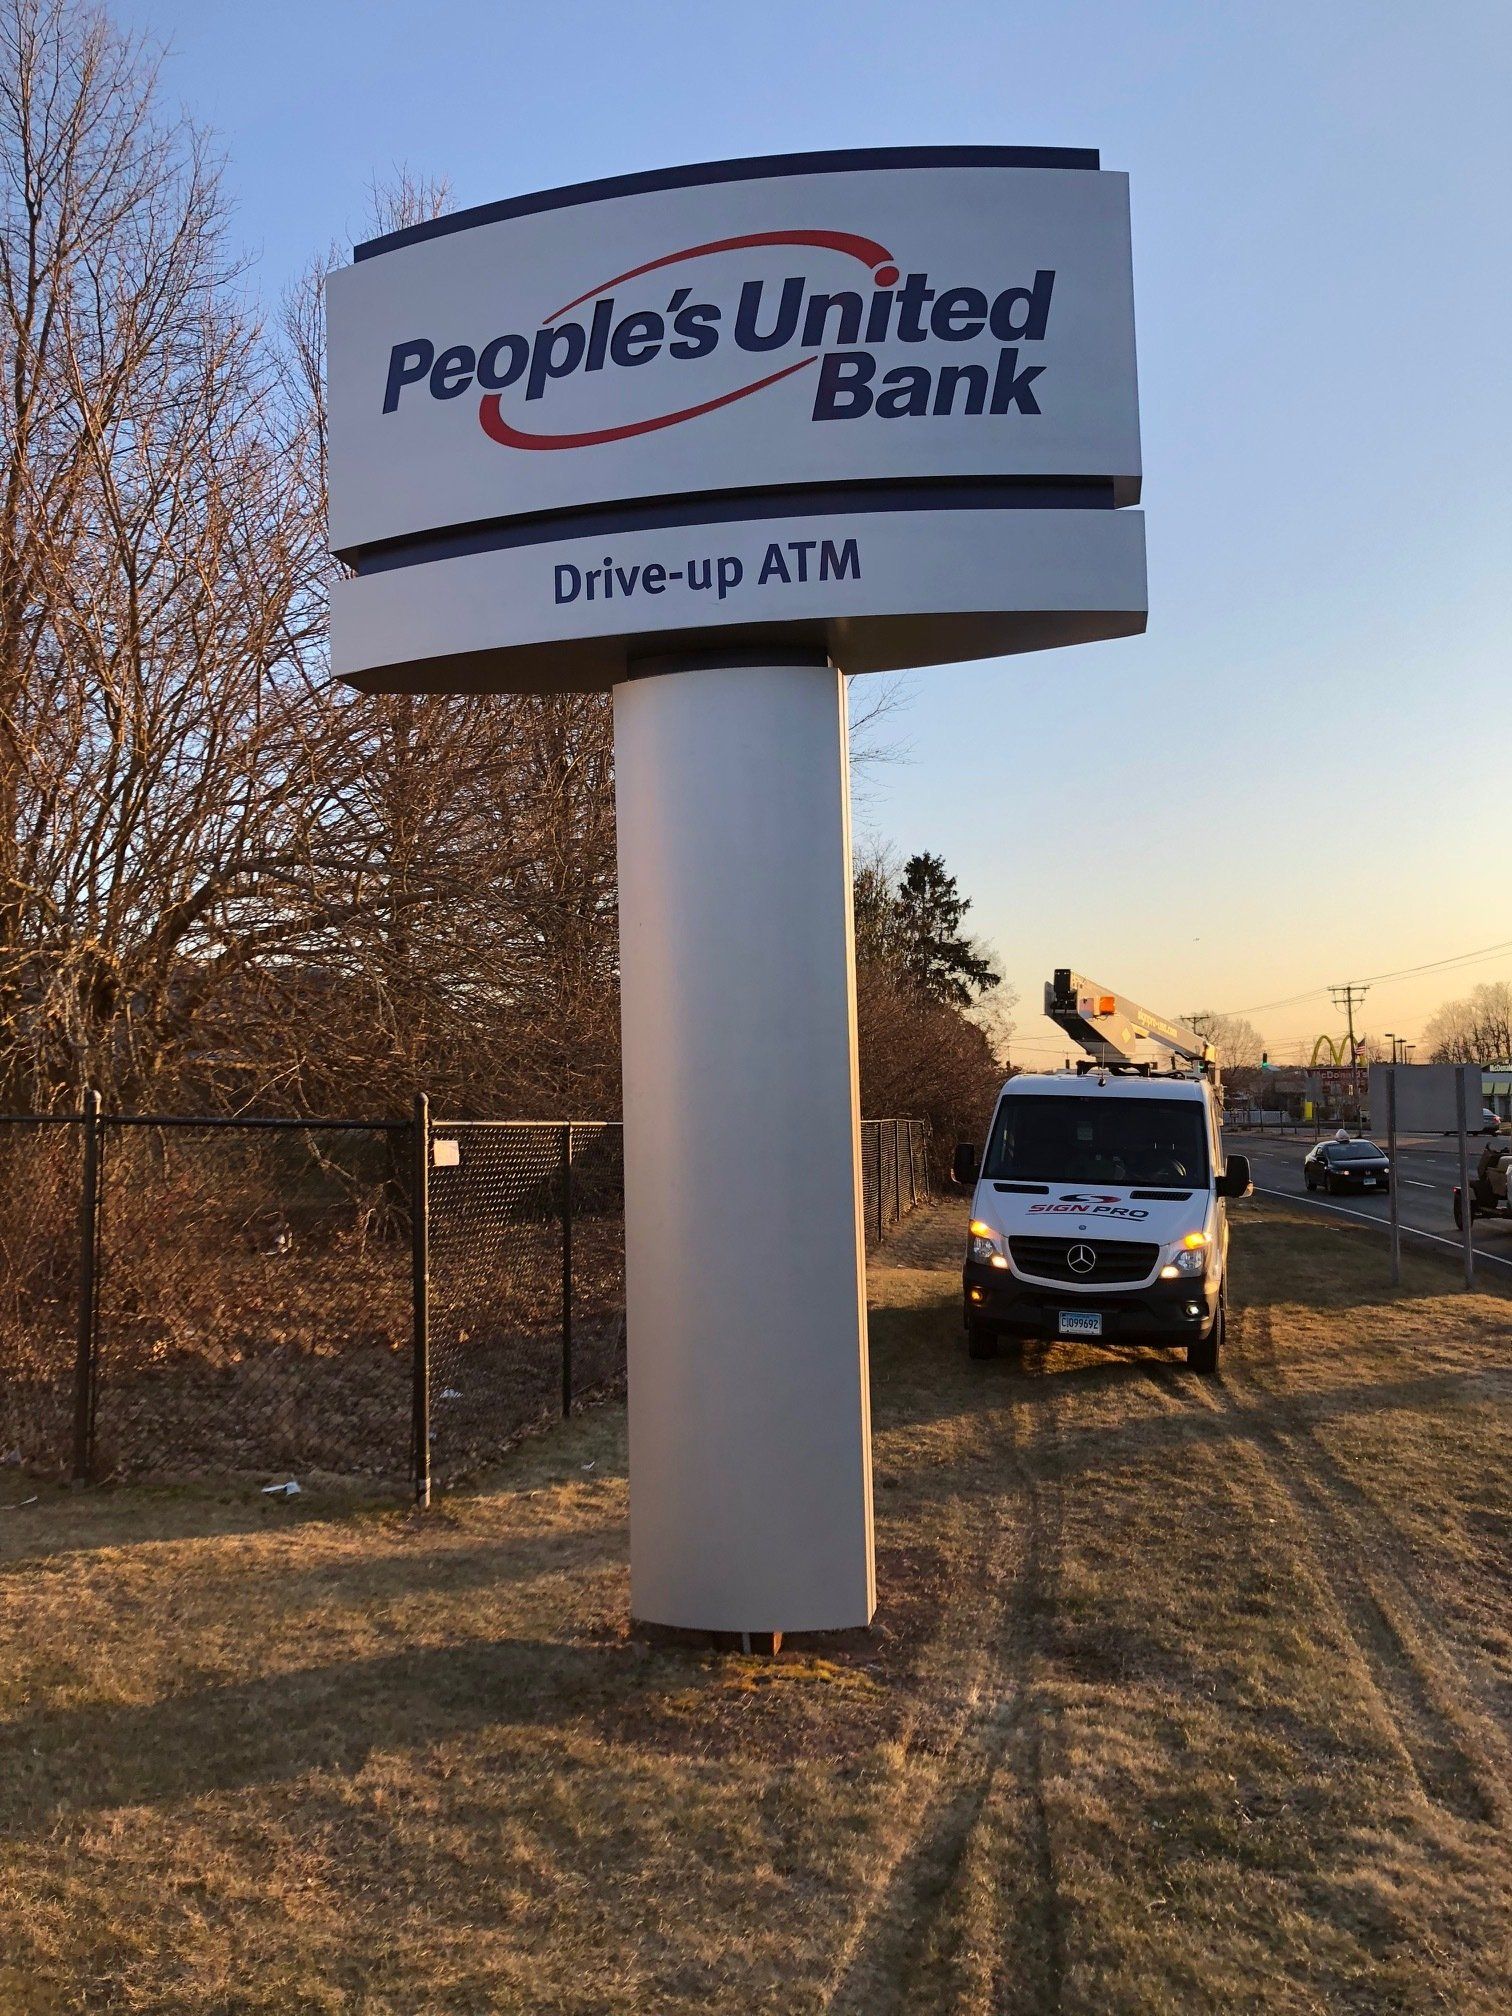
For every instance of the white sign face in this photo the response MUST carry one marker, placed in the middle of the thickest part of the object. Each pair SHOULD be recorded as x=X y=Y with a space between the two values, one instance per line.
x=878 y=590
x=912 y=329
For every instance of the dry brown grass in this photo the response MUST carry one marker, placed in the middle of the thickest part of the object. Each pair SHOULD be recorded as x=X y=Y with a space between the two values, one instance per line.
x=1182 y=1696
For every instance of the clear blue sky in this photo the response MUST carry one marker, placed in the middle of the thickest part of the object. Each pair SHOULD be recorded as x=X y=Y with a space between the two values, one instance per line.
x=1300 y=774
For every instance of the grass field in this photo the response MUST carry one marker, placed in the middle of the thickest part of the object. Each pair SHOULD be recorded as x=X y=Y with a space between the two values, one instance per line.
x=1182 y=1695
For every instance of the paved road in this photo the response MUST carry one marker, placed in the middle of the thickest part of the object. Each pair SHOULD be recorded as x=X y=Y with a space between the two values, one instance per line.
x=1427 y=1171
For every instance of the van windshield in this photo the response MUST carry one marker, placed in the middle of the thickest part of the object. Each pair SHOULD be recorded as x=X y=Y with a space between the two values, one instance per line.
x=1043 y=1139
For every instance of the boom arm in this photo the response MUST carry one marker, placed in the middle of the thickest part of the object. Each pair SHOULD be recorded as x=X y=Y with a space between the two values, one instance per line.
x=1118 y=1032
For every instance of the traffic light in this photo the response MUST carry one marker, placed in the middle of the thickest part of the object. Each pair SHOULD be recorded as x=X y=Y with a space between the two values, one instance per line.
x=1265 y=1063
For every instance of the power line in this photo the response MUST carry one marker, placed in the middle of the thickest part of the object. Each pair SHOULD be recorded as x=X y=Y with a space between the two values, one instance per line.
x=1355 y=987
x=1433 y=965
x=1376 y=979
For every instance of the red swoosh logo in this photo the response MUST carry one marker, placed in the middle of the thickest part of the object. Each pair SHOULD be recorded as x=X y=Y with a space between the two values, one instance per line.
x=497 y=428
x=867 y=250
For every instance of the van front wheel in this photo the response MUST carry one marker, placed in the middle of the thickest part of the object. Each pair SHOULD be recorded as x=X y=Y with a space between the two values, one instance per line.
x=981 y=1342
x=1202 y=1352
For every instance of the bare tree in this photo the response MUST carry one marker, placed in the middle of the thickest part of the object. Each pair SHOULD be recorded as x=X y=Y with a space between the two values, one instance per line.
x=221 y=874
x=1474 y=1030
x=223 y=877
x=1239 y=1044
x=481 y=956
x=158 y=556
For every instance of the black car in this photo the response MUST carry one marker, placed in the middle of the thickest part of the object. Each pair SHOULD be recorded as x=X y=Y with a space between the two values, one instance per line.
x=1347 y=1165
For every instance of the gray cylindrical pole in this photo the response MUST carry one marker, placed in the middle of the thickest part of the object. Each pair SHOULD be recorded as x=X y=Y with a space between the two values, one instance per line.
x=1467 y=1223
x=744 y=1263
x=1395 y=1194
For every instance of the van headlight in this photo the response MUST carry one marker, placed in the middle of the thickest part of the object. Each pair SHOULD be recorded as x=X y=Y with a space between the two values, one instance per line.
x=1191 y=1260
x=983 y=1245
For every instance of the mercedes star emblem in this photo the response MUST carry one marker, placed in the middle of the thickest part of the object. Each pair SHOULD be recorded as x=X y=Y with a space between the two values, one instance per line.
x=1081 y=1259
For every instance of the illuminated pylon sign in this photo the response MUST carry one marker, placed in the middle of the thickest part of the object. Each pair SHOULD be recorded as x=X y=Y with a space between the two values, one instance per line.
x=1334 y=1048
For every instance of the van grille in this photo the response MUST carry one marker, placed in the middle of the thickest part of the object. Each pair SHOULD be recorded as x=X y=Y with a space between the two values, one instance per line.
x=1113 y=1260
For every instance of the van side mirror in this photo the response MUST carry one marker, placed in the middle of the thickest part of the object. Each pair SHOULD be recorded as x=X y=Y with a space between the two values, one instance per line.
x=1235 y=1180
x=968 y=1159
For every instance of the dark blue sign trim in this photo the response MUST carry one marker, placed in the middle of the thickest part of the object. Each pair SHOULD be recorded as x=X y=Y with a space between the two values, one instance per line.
x=988 y=493
x=758 y=168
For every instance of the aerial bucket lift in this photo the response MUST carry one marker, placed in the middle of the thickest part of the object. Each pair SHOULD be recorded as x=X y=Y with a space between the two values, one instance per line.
x=1120 y=1035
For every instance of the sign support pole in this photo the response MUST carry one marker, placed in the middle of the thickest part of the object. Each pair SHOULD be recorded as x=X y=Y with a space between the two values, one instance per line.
x=1467 y=1223
x=744 y=1260
x=1391 y=1156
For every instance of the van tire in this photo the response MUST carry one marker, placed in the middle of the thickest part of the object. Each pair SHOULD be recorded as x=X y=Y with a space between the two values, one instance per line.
x=1202 y=1352
x=981 y=1342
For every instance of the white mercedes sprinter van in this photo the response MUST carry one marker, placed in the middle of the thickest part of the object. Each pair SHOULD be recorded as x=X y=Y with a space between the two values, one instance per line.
x=1099 y=1212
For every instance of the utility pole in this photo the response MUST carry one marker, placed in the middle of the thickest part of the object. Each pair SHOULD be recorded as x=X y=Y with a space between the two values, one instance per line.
x=1345 y=997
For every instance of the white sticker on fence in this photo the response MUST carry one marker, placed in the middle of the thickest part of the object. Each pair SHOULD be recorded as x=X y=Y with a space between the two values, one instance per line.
x=446 y=1154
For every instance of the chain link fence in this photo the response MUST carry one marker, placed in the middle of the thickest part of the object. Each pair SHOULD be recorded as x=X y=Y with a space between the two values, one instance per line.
x=526 y=1272
x=597 y=1311
x=41 y=1166
x=498 y=1288
x=203 y=1298
x=894 y=1173
x=253 y=1301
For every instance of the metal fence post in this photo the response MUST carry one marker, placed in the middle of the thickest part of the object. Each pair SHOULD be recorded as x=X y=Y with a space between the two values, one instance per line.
x=897 y=1173
x=566 y=1180
x=913 y=1191
x=420 y=1154
x=85 y=1357
x=881 y=1196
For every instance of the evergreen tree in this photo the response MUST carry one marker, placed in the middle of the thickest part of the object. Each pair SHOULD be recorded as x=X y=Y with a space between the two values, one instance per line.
x=938 y=959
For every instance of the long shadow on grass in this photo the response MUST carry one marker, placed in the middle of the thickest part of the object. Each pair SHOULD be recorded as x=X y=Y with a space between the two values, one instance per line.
x=483 y=1564
x=281 y=1725
x=923 y=1377
x=121 y=1517
x=1288 y=1259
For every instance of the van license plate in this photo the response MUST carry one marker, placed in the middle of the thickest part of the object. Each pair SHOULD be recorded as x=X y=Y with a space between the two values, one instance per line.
x=1080 y=1323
